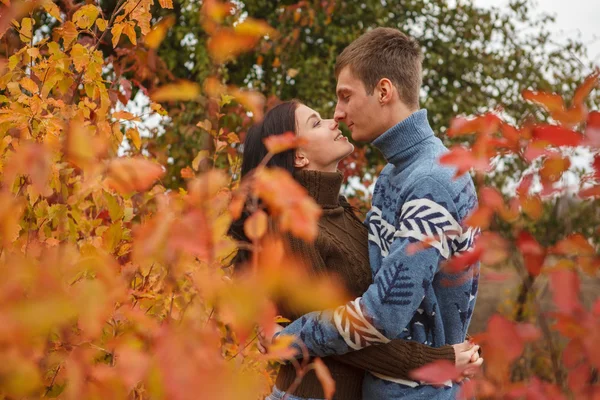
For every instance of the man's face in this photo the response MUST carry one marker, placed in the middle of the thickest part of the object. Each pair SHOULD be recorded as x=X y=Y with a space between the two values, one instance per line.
x=358 y=110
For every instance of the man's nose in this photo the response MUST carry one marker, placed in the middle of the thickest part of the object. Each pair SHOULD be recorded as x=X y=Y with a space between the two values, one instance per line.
x=339 y=114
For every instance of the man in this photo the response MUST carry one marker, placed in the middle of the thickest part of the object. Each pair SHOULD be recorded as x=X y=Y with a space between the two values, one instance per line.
x=415 y=200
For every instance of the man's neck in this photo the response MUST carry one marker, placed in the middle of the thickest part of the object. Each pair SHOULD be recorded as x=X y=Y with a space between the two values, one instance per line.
x=397 y=114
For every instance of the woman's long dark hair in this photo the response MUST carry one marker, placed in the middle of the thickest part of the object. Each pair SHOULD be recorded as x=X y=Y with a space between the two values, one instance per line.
x=280 y=119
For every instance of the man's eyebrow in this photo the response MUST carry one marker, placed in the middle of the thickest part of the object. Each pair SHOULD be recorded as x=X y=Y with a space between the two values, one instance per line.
x=342 y=90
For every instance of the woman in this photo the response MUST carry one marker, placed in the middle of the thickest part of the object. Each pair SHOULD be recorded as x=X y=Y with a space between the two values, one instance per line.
x=340 y=248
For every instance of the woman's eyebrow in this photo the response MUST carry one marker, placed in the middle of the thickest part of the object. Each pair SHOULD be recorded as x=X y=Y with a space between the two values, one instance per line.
x=313 y=115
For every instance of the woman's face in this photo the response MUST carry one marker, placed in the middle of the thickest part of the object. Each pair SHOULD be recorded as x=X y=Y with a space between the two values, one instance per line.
x=326 y=145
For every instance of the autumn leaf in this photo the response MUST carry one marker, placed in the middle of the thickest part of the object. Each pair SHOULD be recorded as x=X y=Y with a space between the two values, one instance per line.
x=280 y=143
x=281 y=348
x=225 y=44
x=325 y=378
x=52 y=9
x=252 y=101
x=180 y=91
x=553 y=167
x=134 y=136
x=11 y=210
x=464 y=160
x=26 y=30
x=583 y=90
x=533 y=253
x=255 y=226
x=590 y=192
x=487 y=123
x=551 y=101
x=126 y=175
x=116 y=32
x=436 y=373
x=125 y=115
x=85 y=16
x=557 y=135
x=532 y=206
x=166 y=3
x=69 y=33
x=254 y=27
x=129 y=31
x=159 y=32
x=564 y=283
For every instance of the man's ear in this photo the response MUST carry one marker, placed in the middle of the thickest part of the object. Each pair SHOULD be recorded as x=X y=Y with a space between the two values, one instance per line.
x=385 y=91
x=300 y=160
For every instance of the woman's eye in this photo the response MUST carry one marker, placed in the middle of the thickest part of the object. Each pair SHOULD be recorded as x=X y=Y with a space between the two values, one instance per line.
x=317 y=123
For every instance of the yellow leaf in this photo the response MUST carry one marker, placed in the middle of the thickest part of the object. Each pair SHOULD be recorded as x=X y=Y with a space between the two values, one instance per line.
x=292 y=72
x=80 y=57
x=10 y=215
x=26 y=30
x=116 y=31
x=101 y=24
x=206 y=125
x=202 y=154
x=282 y=347
x=29 y=85
x=180 y=91
x=251 y=100
x=133 y=135
x=159 y=31
x=52 y=9
x=85 y=17
x=166 y=3
x=129 y=30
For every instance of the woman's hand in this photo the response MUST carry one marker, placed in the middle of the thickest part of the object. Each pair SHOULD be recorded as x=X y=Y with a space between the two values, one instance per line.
x=264 y=342
x=467 y=358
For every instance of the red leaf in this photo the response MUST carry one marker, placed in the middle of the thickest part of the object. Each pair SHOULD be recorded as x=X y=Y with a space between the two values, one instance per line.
x=464 y=159
x=565 y=288
x=557 y=135
x=464 y=260
x=437 y=373
x=525 y=185
x=593 y=191
x=533 y=253
x=573 y=354
x=491 y=197
x=487 y=123
x=592 y=130
x=596 y=166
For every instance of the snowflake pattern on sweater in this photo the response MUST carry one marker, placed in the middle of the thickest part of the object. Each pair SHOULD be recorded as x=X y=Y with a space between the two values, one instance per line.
x=416 y=201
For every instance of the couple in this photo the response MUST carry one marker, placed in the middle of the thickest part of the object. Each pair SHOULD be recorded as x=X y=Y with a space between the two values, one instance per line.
x=407 y=311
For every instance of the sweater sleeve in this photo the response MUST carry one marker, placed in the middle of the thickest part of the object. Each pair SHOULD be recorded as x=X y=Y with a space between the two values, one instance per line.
x=397 y=358
x=400 y=284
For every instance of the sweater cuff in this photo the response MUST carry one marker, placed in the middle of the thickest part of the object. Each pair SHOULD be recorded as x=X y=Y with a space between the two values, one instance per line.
x=432 y=354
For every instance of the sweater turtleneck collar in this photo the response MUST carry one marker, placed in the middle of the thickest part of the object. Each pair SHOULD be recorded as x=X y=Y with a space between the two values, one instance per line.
x=399 y=142
x=324 y=187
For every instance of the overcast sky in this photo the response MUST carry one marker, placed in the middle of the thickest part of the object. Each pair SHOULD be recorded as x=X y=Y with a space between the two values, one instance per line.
x=573 y=18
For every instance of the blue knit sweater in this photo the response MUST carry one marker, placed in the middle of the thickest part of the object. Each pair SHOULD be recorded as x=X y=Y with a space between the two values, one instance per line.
x=415 y=198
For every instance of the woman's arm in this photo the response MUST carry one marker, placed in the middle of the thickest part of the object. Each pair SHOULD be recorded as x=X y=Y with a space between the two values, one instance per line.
x=397 y=358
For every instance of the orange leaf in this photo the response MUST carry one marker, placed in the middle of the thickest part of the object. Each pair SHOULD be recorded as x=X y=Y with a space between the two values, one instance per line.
x=282 y=349
x=486 y=124
x=226 y=45
x=166 y=3
x=126 y=175
x=187 y=173
x=491 y=197
x=532 y=206
x=553 y=167
x=583 y=91
x=254 y=27
x=551 y=101
x=557 y=135
x=11 y=211
x=464 y=260
x=573 y=245
x=436 y=373
x=280 y=143
x=255 y=226
x=325 y=378
x=251 y=100
x=592 y=130
x=155 y=37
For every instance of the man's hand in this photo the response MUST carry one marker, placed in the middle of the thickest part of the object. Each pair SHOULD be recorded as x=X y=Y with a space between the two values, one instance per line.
x=467 y=358
x=263 y=341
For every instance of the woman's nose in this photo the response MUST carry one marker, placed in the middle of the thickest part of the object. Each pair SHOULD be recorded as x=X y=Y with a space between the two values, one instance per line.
x=333 y=125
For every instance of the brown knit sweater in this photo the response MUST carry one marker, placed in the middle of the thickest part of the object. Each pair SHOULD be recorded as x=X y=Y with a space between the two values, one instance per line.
x=341 y=247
